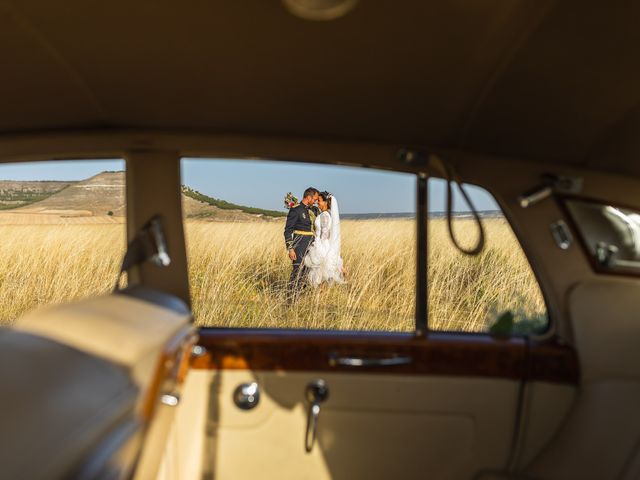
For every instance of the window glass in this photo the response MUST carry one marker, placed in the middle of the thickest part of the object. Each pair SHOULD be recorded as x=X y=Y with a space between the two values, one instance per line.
x=495 y=291
x=239 y=265
x=63 y=232
x=610 y=234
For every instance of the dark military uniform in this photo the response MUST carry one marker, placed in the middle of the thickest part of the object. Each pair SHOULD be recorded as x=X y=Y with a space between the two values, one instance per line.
x=298 y=235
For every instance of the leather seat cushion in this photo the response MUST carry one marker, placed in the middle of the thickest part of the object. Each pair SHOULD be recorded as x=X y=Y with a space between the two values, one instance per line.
x=58 y=404
x=128 y=330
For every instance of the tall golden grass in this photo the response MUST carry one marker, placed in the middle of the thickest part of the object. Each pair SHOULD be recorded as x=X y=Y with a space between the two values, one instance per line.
x=47 y=264
x=238 y=274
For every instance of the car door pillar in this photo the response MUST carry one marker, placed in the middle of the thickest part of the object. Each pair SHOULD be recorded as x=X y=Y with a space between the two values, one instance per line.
x=153 y=188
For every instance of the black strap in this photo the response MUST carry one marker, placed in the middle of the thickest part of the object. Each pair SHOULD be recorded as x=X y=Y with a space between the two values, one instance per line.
x=452 y=178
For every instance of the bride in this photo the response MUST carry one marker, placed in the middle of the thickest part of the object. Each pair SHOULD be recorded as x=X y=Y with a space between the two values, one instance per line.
x=323 y=260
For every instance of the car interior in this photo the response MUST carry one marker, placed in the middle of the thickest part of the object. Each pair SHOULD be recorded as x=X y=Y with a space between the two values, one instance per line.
x=534 y=101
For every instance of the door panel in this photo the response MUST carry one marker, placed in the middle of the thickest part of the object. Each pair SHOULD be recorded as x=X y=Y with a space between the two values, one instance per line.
x=448 y=414
x=600 y=437
x=371 y=426
x=545 y=407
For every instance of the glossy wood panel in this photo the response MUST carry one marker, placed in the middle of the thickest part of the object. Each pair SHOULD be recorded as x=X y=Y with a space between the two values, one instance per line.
x=157 y=421
x=437 y=354
x=553 y=361
x=170 y=370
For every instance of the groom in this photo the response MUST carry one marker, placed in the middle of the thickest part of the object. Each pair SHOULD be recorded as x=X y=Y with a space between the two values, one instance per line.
x=298 y=236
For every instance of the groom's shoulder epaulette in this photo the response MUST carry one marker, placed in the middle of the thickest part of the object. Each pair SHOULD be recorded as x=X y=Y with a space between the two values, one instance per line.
x=297 y=211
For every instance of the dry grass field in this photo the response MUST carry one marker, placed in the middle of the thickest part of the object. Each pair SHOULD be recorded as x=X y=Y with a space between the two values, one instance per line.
x=44 y=264
x=239 y=271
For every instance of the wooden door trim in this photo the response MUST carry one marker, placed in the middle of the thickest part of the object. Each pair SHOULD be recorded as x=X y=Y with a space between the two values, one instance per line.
x=466 y=355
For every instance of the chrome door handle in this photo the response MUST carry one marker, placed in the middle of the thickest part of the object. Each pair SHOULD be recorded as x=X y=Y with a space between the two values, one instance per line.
x=335 y=360
x=316 y=392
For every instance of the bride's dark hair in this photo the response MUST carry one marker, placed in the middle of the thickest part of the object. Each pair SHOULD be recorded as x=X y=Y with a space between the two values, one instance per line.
x=326 y=196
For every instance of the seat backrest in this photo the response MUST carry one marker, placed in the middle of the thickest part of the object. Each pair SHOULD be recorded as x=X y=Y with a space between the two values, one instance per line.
x=129 y=328
x=134 y=343
x=601 y=435
x=62 y=409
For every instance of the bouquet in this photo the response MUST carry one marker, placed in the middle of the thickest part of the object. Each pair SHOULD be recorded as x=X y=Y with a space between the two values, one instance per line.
x=290 y=201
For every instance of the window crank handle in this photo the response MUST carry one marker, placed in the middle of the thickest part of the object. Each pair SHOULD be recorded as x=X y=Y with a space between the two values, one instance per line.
x=312 y=424
x=316 y=393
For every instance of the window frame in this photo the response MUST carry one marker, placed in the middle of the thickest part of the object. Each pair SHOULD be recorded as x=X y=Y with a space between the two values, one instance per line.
x=421 y=300
x=538 y=335
x=420 y=324
x=86 y=159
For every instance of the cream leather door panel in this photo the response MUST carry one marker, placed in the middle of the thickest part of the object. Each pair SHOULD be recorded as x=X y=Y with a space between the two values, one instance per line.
x=601 y=437
x=371 y=426
x=425 y=420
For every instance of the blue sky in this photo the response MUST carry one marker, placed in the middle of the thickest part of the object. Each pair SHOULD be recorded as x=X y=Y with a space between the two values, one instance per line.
x=264 y=184
x=57 y=170
x=360 y=190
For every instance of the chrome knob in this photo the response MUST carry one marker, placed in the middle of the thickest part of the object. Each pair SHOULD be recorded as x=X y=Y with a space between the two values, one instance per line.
x=317 y=391
x=198 y=351
x=246 y=396
x=170 y=399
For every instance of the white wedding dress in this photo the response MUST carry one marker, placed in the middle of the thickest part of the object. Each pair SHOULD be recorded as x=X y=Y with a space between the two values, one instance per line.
x=323 y=260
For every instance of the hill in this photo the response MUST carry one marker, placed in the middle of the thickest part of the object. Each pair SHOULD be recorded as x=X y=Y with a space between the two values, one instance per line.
x=100 y=195
x=101 y=199
x=16 y=193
